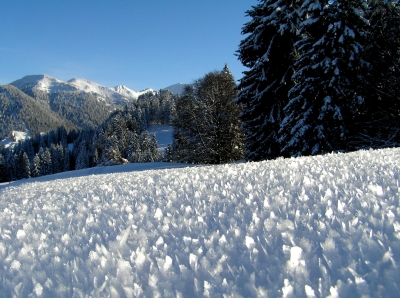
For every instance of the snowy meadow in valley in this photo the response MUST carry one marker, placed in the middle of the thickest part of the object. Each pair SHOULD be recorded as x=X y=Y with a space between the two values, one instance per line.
x=300 y=227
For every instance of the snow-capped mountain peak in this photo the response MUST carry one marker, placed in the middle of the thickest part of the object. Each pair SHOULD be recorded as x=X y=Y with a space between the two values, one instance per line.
x=42 y=82
x=125 y=91
x=176 y=88
x=118 y=95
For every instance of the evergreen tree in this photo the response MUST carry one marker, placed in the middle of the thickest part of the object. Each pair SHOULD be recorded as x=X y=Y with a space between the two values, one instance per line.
x=46 y=167
x=168 y=156
x=144 y=143
x=327 y=94
x=263 y=91
x=207 y=128
x=66 y=160
x=25 y=171
x=27 y=146
x=111 y=154
x=155 y=154
x=35 y=169
x=82 y=160
x=95 y=157
x=62 y=136
x=11 y=166
x=56 y=158
x=133 y=147
x=3 y=176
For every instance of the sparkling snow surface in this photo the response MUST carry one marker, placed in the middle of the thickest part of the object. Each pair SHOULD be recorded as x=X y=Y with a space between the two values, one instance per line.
x=302 y=227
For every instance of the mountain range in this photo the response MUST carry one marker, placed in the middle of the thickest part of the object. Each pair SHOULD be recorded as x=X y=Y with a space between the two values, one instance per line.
x=77 y=103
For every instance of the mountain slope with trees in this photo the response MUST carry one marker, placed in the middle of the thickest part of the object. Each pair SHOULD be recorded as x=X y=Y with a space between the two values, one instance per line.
x=21 y=112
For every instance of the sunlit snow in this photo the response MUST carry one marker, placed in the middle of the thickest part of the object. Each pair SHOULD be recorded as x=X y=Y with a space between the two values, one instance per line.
x=18 y=136
x=323 y=226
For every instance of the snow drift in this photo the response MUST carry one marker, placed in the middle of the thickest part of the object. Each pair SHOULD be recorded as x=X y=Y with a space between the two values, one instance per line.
x=306 y=227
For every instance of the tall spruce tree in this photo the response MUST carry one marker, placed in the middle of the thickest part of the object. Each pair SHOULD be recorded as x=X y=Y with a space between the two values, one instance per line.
x=263 y=91
x=327 y=95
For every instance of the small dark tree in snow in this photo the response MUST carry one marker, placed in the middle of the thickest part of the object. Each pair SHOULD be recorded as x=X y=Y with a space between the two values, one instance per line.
x=168 y=156
x=66 y=160
x=11 y=166
x=3 y=176
x=144 y=143
x=82 y=160
x=57 y=155
x=155 y=154
x=24 y=171
x=112 y=155
x=133 y=147
x=46 y=167
x=263 y=91
x=35 y=169
x=327 y=95
x=206 y=126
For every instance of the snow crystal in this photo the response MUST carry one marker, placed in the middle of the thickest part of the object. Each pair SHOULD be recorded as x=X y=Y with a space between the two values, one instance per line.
x=21 y=234
x=321 y=226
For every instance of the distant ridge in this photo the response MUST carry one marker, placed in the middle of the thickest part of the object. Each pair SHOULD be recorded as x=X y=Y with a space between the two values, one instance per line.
x=176 y=88
x=78 y=103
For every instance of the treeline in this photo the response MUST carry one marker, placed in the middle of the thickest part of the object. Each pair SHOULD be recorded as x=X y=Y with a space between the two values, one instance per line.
x=37 y=156
x=122 y=138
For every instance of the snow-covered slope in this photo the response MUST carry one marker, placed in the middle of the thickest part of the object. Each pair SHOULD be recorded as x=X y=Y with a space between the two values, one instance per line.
x=125 y=91
x=119 y=95
x=43 y=83
x=323 y=226
x=17 y=137
x=105 y=93
x=176 y=88
x=20 y=112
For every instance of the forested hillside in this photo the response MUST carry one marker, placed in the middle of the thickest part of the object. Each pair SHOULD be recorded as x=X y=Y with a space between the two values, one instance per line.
x=121 y=138
x=21 y=112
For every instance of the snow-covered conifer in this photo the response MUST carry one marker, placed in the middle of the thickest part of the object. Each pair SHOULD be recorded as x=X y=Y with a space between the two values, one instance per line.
x=328 y=78
x=155 y=154
x=267 y=51
x=45 y=162
x=35 y=168
x=66 y=160
x=82 y=160
x=3 y=176
x=24 y=170
x=206 y=126
x=11 y=166
x=144 y=143
x=133 y=147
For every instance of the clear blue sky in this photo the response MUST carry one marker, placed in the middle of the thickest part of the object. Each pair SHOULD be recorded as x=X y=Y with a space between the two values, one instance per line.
x=139 y=44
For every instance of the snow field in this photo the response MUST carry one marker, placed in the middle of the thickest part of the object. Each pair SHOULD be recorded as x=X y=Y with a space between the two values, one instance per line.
x=323 y=226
